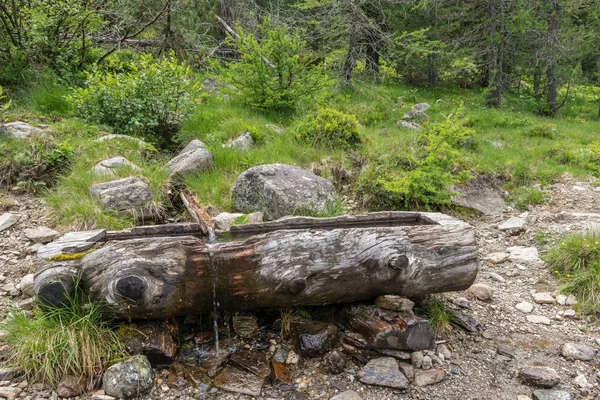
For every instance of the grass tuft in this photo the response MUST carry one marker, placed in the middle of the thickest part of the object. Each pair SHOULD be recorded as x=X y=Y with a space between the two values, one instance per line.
x=439 y=315
x=70 y=340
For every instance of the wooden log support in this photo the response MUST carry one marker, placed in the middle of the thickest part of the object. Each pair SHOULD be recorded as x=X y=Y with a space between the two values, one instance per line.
x=304 y=261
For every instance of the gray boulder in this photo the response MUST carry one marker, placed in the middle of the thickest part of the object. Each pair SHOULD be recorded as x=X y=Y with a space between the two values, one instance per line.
x=383 y=371
x=131 y=378
x=108 y=166
x=416 y=116
x=279 y=190
x=578 y=351
x=128 y=196
x=7 y=220
x=19 y=130
x=421 y=107
x=195 y=157
x=243 y=142
x=41 y=234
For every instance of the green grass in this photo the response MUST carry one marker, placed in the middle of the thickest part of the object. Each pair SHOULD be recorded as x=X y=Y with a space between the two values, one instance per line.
x=575 y=261
x=69 y=340
x=439 y=316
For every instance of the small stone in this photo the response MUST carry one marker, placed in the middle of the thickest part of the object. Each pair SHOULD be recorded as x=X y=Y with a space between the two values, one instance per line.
x=525 y=307
x=481 y=291
x=408 y=371
x=195 y=157
x=280 y=354
x=462 y=302
x=312 y=338
x=244 y=142
x=570 y=313
x=497 y=277
x=429 y=377
x=126 y=197
x=543 y=298
x=280 y=375
x=292 y=358
x=581 y=381
x=156 y=341
x=10 y=392
x=131 y=378
x=347 y=395
x=538 y=319
x=409 y=124
x=505 y=350
x=443 y=350
x=578 y=351
x=421 y=107
x=26 y=285
x=9 y=373
x=571 y=300
x=416 y=359
x=111 y=165
x=519 y=254
x=383 y=371
x=235 y=380
x=523 y=397
x=41 y=234
x=255 y=217
x=395 y=303
x=7 y=220
x=251 y=361
x=512 y=225
x=335 y=362
x=539 y=376
x=551 y=395
x=245 y=325
x=69 y=386
x=225 y=220
x=427 y=362
x=497 y=258
x=561 y=299
x=465 y=321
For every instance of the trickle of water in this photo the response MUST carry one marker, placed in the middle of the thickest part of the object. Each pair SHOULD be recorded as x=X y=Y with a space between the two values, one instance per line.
x=215 y=313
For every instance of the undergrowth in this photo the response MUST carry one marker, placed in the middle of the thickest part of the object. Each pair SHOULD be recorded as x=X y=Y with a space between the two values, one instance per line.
x=439 y=315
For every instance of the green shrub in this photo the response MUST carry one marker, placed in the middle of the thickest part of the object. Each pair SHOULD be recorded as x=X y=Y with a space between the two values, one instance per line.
x=275 y=68
x=421 y=176
x=547 y=131
x=329 y=128
x=575 y=261
x=150 y=100
x=70 y=340
x=4 y=103
x=522 y=197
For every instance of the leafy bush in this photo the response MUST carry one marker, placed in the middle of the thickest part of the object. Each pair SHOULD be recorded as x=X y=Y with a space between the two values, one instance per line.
x=150 y=100
x=547 y=131
x=4 y=103
x=421 y=176
x=69 y=340
x=275 y=68
x=329 y=128
x=576 y=263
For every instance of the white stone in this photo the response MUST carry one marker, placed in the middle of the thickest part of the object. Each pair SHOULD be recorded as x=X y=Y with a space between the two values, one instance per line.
x=525 y=307
x=41 y=234
x=561 y=299
x=512 y=224
x=571 y=300
x=497 y=258
x=7 y=220
x=538 y=319
x=581 y=381
x=520 y=254
x=224 y=220
x=108 y=166
x=481 y=291
x=26 y=285
x=243 y=142
x=543 y=298
x=497 y=277
x=569 y=313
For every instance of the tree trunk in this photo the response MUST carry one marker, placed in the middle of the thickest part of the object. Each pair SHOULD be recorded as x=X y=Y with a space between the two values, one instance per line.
x=303 y=261
x=537 y=82
x=553 y=32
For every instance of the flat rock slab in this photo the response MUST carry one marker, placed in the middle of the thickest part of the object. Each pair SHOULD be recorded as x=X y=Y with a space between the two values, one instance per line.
x=520 y=254
x=347 y=395
x=238 y=381
x=128 y=196
x=279 y=190
x=525 y=307
x=395 y=303
x=429 y=377
x=543 y=298
x=539 y=319
x=542 y=394
x=484 y=200
x=383 y=371
x=41 y=234
x=497 y=258
x=19 y=130
x=544 y=377
x=578 y=351
x=513 y=224
x=7 y=220
x=72 y=242
x=194 y=157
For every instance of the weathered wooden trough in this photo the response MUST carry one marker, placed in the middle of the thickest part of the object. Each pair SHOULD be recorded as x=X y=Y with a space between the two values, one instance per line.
x=170 y=270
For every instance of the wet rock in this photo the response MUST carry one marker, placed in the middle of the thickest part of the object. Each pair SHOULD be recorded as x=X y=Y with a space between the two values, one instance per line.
x=280 y=354
x=251 y=361
x=209 y=361
x=7 y=220
x=481 y=291
x=543 y=298
x=245 y=325
x=128 y=379
x=156 y=341
x=19 y=130
x=512 y=225
x=127 y=197
x=235 y=380
x=347 y=395
x=281 y=377
x=395 y=303
x=578 y=351
x=72 y=242
x=194 y=157
x=26 y=285
x=551 y=395
x=335 y=362
x=408 y=370
x=70 y=386
x=544 y=377
x=525 y=307
x=41 y=234
x=383 y=371
x=429 y=377
x=110 y=165
x=279 y=190
x=312 y=338
x=538 y=319
x=244 y=142
x=224 y=220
